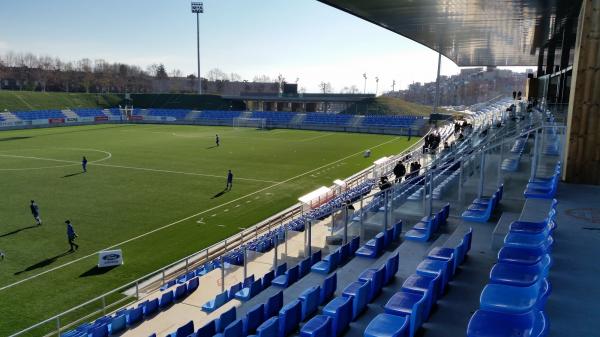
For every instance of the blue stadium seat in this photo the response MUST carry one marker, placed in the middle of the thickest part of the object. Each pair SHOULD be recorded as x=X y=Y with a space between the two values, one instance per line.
x=373 y=248
x=180 y=292
x=427 y=286
x=287 y=279
x=254 y=318
x=391 y=268
x=281 y=269
x=385 y=325
x=432 y=268
x=134 y=316
x=184 y=330
x=495 y=324
x=233 y=290
x=267 y=279
x=273 y=305
x=315 y=257
x=376 y=276
x=117 y=324
x=409 y=305
x=289 y=317
x=328 y=288
x=151 y=307
x=269 y=328
x=517 y=274
x=245 y=294
x=208 y=330
x=310 y=301
x=509 y=299
x=359 y=293
x=327 y=264
x=340 y=311
x=166 y=300
x=318 y=326
x=304 y=267
x=193 y=284
x=100 y=331
x=225 y=319
x=233 y=329
x=215 y=303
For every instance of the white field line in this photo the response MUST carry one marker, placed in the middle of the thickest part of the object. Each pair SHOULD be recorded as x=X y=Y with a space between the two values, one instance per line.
x=315 y=137
x=137 y=168
x=189 y=217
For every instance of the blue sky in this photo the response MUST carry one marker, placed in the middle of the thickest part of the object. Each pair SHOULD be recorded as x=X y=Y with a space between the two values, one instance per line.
x=296 y=38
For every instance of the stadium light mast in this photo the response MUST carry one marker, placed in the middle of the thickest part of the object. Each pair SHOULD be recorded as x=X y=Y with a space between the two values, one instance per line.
x=393 y=85
x=198 y=8
x=376 y=85
x=365 y=87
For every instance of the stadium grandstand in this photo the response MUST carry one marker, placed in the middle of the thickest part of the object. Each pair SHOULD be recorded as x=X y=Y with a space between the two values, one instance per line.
x=485 y=225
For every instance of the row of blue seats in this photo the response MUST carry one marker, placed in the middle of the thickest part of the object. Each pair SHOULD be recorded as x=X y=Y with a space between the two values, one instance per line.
x=218 y=114
x=512 y=303
x=200 y=271
x=250 y=286
x=177 y=113
x=407 y=309
x=382 y=240
x=336 y=316
x=39 y=114
x=126 y=318
x=269 y=319
x=511 y=164
x=481 y=209
x=544 y=188
x=428 y=225
x=338 y=257
x=325 y=118
x=89 y=112
x=276 y=117
x=380 y=120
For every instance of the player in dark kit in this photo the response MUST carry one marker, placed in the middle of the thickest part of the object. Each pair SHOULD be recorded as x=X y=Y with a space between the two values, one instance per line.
x=71 y=235
x=35 y=211
x=84 y=164
x=217 y=140
x=229 y=180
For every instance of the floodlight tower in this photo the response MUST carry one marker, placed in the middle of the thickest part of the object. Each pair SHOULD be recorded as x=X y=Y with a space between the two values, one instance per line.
x=365 y=87
x=198 y=8
x=376 y=85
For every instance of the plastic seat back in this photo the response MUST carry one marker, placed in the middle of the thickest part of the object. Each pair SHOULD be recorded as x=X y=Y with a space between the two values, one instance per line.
x=304 y=267
x=225 y=319
x=391 y=268
x=292 y=274
x=328 y=288
x=289 y=317
x=118 y=324
x=273 y=305
x=310 y=301
x=208 y=330
x=269 y=328
x=254 y=318
x=267 y=278
x=185 y=330
x=280 y=270
x=166 y=299
x=233 y=329
x=316 y=257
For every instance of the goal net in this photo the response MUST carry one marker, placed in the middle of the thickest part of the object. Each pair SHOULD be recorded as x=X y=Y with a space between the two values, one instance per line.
x=243 y=122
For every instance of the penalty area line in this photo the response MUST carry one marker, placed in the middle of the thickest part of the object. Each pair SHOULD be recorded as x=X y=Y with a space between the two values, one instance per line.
x=188 y=218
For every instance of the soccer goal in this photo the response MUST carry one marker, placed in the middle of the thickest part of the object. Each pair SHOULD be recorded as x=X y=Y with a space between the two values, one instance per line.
x=243 y=122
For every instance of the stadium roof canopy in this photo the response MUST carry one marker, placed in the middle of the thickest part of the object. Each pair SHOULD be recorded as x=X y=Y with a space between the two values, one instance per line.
x=470 y=32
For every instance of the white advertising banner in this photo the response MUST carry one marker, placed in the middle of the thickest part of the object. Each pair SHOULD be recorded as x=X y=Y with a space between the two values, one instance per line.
x=110 y=258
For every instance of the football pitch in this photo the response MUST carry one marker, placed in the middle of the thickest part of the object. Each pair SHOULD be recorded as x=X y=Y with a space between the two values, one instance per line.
x=155 y=191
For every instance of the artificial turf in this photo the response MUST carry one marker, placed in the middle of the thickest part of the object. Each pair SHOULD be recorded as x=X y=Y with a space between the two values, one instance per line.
x=140 y=178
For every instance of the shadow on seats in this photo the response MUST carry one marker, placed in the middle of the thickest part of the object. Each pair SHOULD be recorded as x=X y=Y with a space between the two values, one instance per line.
x=44 y=263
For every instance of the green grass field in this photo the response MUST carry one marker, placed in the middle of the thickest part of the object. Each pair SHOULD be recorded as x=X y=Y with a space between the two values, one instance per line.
x=140 y=178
